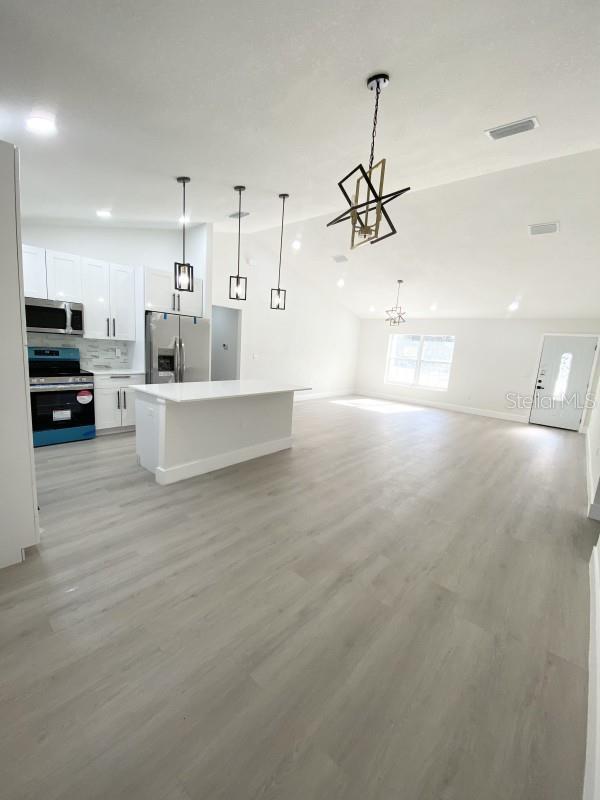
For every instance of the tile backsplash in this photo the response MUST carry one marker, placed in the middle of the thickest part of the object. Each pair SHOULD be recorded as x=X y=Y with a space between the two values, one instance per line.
x=94 y=353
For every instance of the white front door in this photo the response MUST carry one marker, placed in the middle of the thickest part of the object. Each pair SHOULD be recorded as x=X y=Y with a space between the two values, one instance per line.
x=562 y=381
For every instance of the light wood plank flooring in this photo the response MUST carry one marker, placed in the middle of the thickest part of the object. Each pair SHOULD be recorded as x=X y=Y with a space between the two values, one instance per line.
x=396 y=609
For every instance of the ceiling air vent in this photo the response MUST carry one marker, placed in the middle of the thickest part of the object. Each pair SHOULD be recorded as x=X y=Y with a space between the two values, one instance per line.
x=512 y=128
x=543 y=227
x=339 y=259
x=239 y=214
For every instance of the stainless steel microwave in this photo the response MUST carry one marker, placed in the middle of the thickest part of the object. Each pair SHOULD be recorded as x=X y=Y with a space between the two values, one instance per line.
x=53 y=316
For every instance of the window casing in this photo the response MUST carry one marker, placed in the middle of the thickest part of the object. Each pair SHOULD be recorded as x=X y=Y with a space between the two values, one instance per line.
x=420 y=360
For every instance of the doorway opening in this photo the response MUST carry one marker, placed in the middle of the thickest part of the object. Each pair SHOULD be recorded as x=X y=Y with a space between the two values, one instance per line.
x=226 y=343
x=560 y=396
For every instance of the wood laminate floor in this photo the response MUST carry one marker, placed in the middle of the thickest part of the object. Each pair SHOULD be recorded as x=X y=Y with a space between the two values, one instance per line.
x=396 y=609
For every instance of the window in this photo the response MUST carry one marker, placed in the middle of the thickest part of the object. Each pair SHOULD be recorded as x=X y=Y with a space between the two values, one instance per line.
x=420 y=360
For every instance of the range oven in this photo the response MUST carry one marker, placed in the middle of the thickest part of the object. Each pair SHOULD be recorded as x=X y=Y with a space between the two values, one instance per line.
x=53 y=316
x=62 y=396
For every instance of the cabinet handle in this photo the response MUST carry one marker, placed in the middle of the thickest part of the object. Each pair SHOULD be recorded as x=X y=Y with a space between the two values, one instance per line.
x=119 y=399
x=124 y=400
x=178 y=302
x=107 y=326
x=173 y=301
x=114 y=327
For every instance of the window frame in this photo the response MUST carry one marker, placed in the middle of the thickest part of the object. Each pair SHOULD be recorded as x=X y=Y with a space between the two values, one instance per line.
x=419 y=361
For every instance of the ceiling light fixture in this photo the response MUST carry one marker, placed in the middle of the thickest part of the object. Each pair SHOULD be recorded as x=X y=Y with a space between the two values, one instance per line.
x=184 y=272
x=514 y=305
x=104 y=213
x=278 y=295
x=41 y=123
x=433 y=307
x=341 y=283
x=395 y=315
x=237 y=283
x=371 y=309
x=184 y=219
x=296 y=244
x=369 y=184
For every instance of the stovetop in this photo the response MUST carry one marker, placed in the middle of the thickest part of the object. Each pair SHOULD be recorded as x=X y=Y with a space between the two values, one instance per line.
x=57 y=365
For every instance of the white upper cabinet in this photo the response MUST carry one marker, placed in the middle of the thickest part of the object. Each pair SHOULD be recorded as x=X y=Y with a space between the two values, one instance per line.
x=159 y=291
x=34 y=272
x=191 y=302
x=122 y=302
x=63 y=274
x=108 y=300
x=96 y=298
x=162 y=296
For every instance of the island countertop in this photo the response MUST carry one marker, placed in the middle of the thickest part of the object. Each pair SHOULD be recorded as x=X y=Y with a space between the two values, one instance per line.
x=195 y=392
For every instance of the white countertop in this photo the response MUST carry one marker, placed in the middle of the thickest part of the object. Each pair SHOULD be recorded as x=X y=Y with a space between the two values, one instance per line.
x=213 y=390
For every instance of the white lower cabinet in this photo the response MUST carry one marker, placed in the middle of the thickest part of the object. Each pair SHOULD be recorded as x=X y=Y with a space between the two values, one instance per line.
x=114 y=401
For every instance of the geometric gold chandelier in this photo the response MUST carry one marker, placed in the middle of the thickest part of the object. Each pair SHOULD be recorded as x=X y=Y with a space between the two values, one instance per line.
x=363 y=189
x=396 y=315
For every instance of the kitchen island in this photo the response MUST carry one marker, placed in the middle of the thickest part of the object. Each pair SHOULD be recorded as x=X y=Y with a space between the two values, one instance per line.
x=187 y=429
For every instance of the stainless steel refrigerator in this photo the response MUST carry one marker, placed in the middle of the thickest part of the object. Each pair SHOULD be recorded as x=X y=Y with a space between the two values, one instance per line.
x=177 y=348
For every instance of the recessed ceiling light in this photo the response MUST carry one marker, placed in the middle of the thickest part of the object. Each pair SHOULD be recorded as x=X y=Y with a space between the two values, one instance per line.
x=433 y=307
x=41 y=123
x=341 y=283
x=296 y=244
x=512 y=128
x=104 y=213
x=184 y=218
x=514 y=305
x=371 y=309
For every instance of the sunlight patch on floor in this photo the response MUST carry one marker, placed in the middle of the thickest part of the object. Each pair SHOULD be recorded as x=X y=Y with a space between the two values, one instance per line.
x=379 y=406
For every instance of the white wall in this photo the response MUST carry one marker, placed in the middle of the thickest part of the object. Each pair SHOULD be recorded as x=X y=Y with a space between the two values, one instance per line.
x=18 y=503
x=491 y=358
x=592 y=447
x=313 y=342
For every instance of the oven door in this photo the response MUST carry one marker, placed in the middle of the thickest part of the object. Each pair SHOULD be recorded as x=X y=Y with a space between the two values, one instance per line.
x=62 y=413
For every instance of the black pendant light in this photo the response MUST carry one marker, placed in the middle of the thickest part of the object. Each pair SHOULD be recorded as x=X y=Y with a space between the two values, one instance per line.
x=395 y=315
x=237 y=283
x=278 y=294
x=365 y=194
x=184 y=272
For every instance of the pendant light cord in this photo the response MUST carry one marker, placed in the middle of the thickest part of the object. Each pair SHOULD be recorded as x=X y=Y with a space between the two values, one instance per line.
x=375 y=113
x=239 y=229
x=281 y=241
x=183 y=259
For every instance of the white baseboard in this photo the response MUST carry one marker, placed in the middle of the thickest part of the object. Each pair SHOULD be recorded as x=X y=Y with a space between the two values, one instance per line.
x=591 y=785
x=180 y=472
x=480 y=412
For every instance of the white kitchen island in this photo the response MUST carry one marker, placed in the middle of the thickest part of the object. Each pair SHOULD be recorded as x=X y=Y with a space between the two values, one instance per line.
x=187 y=429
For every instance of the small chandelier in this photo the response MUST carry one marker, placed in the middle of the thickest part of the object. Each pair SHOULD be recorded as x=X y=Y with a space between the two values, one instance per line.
x=395 y=315
x=237 y=283
x=184 y=272
x=364 y=194
x=278 y=294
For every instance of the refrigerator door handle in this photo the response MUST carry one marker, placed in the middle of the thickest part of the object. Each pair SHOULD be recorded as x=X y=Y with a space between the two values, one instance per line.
x=181 y=359
x=176 y=359
x=173 y=301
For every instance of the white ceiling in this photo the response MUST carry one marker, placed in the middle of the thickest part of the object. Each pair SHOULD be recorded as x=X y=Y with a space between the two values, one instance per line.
x=465 y=247
x=271 y=94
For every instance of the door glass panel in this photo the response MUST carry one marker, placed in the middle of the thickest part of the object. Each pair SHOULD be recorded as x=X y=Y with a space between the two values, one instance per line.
x=562 y=378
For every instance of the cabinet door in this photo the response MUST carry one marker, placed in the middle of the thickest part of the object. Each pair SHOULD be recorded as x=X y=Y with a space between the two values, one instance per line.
x=190 y=303
x=96 y=298
x=159 y=291
x=107 y=402
x=122 y=302
x=34 y=272
x=63 y=272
